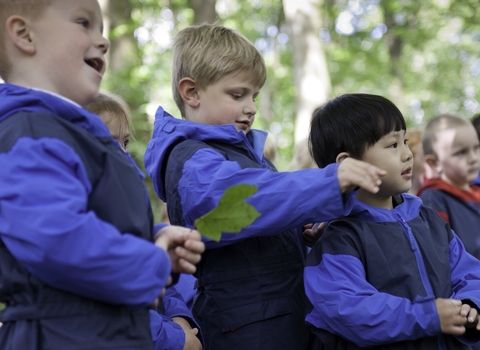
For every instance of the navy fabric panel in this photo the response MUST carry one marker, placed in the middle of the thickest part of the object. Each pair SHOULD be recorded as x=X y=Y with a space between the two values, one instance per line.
x=464 y=217
x=48 y=318
x=250 y=290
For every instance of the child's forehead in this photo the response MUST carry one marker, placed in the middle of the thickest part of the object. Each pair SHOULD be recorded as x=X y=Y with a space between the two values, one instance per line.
x=456 y=135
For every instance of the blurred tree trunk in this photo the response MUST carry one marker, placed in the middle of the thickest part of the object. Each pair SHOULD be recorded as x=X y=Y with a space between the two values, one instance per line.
x=123 y=48
x=395 y=45
x=204 y=11
x=312 y=80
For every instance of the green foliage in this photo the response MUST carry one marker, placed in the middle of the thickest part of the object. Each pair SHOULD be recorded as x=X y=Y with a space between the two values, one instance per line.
x=231 y=215
x=435 y=69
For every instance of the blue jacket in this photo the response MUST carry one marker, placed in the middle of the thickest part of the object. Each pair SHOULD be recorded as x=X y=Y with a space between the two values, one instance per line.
x=373 y=277
x=166 y=334
x=249 y=290
x=460 y=208
x=78 y=269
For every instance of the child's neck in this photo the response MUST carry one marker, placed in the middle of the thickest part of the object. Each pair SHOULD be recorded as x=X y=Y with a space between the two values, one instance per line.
x=375 y=200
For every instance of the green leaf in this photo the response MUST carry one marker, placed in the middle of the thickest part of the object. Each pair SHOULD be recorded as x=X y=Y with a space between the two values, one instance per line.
x=231 y=215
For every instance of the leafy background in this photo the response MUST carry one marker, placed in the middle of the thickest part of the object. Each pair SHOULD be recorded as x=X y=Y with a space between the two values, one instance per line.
x=423 y=55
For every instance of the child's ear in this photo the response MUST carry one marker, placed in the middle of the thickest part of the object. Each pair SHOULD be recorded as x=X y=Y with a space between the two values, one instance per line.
x=188 y=91
x=342 y=156
x=432 y=161
x=18 y=30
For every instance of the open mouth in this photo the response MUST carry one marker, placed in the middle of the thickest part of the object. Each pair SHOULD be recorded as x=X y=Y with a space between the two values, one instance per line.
x=408 y=171
x=95 y=63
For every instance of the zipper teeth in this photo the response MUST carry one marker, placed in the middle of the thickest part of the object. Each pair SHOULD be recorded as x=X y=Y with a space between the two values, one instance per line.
x=418 y=256
x=421 y=270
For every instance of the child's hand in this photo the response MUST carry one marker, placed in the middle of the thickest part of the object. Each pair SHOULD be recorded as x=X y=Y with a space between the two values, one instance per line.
x=183 y=245
x=312 y=233
x=352 y=173
x=191 y=340
x=453 y=315
x=473 y=318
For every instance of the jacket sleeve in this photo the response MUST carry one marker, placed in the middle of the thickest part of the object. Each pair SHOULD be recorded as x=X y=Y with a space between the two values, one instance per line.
x=166 y=334
x=175 y=306
x=465 y=272
x=45 y=224
x=285 y=200
x=346 y=305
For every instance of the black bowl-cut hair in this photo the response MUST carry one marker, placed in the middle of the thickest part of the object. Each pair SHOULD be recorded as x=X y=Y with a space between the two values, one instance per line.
x=351 y=123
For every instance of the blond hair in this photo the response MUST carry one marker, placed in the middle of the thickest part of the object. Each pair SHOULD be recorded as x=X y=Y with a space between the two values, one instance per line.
x=208 y=52
x=435 y=125
x=109 y=106
x=32 y=9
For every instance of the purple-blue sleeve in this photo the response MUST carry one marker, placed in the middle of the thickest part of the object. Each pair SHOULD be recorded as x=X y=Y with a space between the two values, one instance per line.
x=186 y=288
x=158 y=227
x=285 y=200
x=465 y=271
x=45 y=224
x=345 y=304
x=175 y=306
x=166 y=334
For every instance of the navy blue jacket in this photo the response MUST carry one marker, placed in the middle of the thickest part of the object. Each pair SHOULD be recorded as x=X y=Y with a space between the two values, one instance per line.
x=460 y=208
x=250 y=289
x=78 y=269
x=373 y=277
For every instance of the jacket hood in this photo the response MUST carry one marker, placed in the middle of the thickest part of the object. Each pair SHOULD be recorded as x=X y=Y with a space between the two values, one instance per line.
x=168 y=131
x=15 y=99
x=407 y=209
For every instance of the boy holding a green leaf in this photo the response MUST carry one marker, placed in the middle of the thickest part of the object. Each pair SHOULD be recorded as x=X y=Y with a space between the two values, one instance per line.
x=250 y=291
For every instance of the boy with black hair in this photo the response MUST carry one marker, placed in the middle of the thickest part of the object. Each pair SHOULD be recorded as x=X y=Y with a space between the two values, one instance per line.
x=391 y=274
x=250 y=291
x=78 y=265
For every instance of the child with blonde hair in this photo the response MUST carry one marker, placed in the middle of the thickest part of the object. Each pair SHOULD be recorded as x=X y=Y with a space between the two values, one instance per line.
x=173 y=326
x=80 y=264
x=250 y=291
x=451 y=149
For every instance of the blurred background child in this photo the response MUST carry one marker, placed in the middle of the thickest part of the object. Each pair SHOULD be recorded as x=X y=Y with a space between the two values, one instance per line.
x=173 y=327
x=451 y=148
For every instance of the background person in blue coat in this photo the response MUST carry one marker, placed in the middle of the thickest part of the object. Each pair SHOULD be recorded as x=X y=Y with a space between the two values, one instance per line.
x=173 y=327
x=452 y=152
x=79 y=264
x=250 y=291
x=391 y=274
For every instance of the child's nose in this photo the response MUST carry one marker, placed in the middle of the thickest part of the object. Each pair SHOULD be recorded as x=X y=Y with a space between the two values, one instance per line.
x=250 y=108
x=407 y=154
x=102 y=43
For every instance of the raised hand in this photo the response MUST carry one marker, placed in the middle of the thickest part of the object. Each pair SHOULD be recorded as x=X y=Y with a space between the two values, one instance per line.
x=353 y=173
